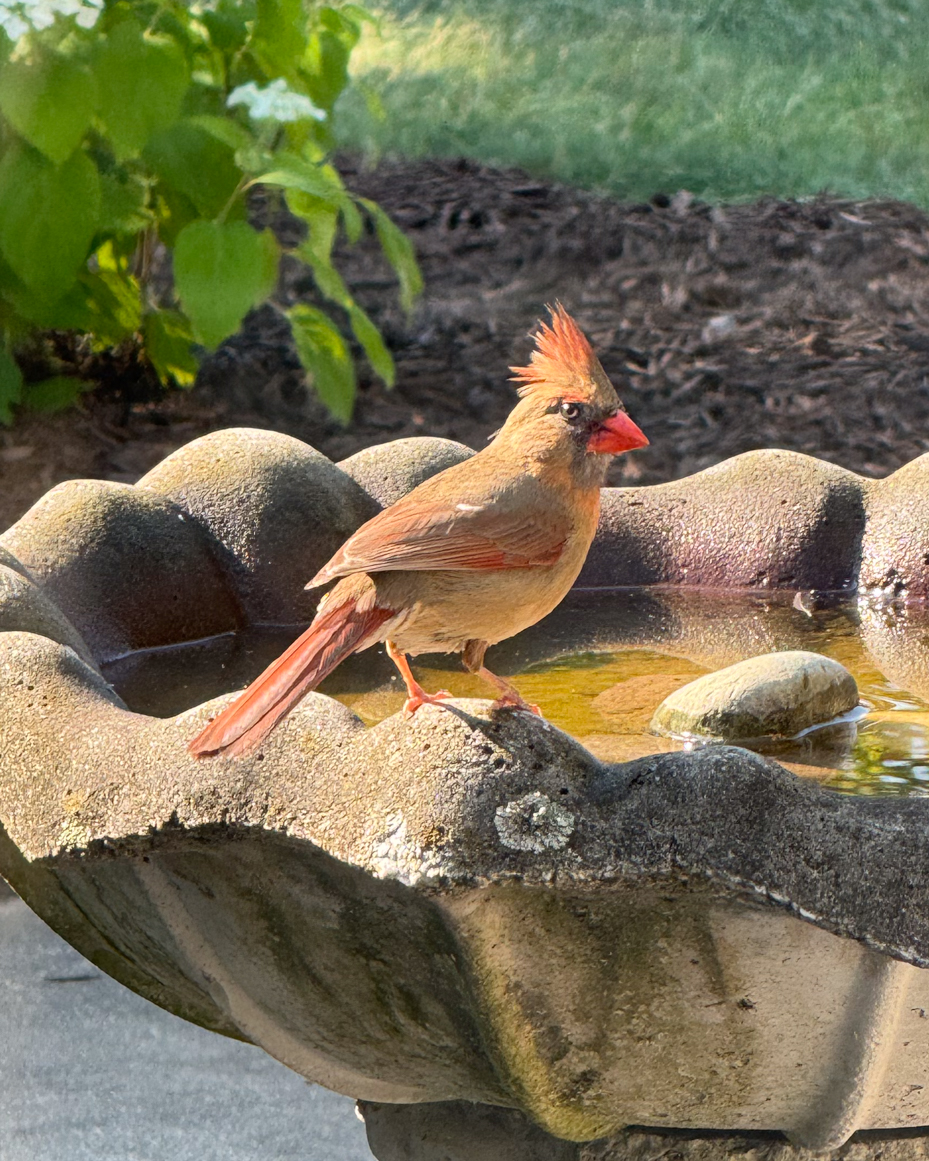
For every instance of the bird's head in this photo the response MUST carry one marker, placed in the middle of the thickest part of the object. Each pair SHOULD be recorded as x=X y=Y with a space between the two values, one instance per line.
x=568 y=406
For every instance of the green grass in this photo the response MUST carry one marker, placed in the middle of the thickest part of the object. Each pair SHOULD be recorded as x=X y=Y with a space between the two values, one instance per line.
x=727 y=98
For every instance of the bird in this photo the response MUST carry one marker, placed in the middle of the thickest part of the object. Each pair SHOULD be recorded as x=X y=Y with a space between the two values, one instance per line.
x=473 y=555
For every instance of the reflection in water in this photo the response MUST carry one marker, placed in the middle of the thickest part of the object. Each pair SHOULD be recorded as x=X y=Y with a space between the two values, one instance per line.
x=600 y=665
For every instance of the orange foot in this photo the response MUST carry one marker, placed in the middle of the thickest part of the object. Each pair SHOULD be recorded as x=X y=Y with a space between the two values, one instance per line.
x=420 y=697
x=514 y=701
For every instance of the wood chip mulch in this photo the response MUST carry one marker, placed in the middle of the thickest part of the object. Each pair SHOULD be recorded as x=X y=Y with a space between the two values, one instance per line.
x=775 y=324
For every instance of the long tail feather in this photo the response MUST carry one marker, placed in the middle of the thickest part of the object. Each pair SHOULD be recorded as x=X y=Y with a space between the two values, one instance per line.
x=248 y=720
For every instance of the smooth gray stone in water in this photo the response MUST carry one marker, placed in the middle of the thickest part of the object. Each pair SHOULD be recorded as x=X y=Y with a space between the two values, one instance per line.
x=775 y=695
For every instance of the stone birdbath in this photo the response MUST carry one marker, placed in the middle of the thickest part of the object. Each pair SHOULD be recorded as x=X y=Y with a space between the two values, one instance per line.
x=491 y=938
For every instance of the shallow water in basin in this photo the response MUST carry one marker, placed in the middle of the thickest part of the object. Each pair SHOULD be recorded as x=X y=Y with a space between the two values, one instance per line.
x=600 y=665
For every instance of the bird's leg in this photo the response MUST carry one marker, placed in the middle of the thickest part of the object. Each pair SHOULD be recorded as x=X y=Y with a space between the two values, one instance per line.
x=509 y=694
x=473 y=658
x=417 y=695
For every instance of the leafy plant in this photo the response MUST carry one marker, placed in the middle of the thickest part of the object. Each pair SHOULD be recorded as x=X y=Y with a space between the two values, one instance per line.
x=132 y=124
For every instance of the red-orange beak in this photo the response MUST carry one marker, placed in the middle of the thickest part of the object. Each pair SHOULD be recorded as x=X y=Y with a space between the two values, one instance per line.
x=617 y=433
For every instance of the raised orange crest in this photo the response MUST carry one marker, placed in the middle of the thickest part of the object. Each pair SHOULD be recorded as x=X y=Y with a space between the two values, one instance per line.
x=563 y=357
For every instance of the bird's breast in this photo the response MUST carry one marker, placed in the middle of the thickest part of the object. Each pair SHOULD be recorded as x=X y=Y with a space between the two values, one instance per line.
x=446 y=608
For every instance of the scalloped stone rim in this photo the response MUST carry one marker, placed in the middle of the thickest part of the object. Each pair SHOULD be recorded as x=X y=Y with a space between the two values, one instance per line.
x=457 y=907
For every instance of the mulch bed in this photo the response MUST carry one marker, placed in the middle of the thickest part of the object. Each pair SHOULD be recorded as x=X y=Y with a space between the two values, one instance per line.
x=776 y=324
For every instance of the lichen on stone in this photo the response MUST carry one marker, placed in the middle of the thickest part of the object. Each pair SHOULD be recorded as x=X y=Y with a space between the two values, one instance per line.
x=534 y=823
x=395 y=855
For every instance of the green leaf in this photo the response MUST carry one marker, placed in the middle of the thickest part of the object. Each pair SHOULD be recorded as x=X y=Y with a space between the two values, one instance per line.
x=330 y=71
x=49 y=102
x=123 y=204
x=254 y=158
x=400 y=254
x=224 y=129
x=370 y=338
x=326 y=358
x=319 y=181
x=227 y=25
x=48 y=215
x=342 y=21
x=105 y=304
x=325 y=64
x=167 y=343
x=351 y=220
x=279 y=37
x=196 y=164
x=141 y=83
x=356 y=17
x=222 y=270
x=330 y=283
x=316 y=250
x=38 y=309
x=327 y=278
x=174 y=212
x=112 y=295
x=11 y=386
x=55 y=394
x=322 y=219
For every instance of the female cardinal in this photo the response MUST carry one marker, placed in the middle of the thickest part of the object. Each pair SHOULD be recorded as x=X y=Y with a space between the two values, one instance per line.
x=473 y=555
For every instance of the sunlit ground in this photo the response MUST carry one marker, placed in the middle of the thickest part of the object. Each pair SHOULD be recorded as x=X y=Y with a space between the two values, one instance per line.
x=727 y=99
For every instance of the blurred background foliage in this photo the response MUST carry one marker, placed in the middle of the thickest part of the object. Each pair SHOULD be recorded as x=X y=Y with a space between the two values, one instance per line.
x=725 y=98
x=131 y=133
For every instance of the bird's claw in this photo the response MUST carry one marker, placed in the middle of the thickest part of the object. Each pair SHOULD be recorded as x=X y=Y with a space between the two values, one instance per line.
x=422 y=698
x=514 y=701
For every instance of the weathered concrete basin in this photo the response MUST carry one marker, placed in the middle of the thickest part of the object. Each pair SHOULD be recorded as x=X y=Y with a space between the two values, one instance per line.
x=460 y=908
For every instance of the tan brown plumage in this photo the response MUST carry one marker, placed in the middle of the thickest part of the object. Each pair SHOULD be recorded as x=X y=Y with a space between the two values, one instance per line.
x=472 y=556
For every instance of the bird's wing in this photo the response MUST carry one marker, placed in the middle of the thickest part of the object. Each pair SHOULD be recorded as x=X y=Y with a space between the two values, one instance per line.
x=427 y=535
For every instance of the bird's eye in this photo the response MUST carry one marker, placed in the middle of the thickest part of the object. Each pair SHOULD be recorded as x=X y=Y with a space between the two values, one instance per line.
x=572 y=412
